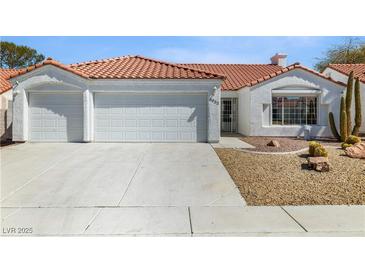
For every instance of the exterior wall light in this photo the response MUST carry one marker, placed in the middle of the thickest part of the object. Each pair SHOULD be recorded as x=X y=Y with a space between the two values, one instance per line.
x=215 y=88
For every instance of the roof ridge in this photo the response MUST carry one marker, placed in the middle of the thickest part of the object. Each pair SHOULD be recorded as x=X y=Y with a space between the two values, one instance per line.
x=146 y=59
x=48 y=61
x=180 y=66
x=9 y=69
x=101 y=60
x=229 y=64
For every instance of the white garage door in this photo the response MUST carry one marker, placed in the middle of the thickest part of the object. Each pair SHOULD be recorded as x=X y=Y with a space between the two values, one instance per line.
x=56 y=117
x=150 y=118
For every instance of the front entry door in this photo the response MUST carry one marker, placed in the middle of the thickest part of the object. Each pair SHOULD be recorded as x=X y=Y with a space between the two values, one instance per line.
x=229 y=114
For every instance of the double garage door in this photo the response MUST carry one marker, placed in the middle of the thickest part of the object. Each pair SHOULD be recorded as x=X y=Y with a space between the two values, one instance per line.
x=150 y=118
x=120 y=117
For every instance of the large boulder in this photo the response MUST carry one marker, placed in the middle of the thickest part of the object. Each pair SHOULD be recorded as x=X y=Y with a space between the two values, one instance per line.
x=320 y=164
x=356 y=151
x=273 y=143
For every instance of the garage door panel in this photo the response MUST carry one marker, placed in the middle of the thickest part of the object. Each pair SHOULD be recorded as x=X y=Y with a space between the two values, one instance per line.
x=155 y=118
x=56 y=117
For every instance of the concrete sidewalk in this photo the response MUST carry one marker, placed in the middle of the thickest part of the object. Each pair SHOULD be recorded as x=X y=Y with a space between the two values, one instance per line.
x=232 y=142
x=185 y=221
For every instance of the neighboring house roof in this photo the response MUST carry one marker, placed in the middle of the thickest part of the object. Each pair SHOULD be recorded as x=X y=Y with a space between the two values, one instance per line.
x=358 y=69
x=128 y=67
x=5 y=85
x=238 y=75
x=248 y=75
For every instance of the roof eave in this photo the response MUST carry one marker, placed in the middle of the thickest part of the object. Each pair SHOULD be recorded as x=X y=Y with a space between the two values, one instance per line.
x=342 y=72
x=291 y=68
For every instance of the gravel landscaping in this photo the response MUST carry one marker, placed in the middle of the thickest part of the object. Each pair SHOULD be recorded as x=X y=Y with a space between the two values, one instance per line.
x=284 y=179
x=287 y=144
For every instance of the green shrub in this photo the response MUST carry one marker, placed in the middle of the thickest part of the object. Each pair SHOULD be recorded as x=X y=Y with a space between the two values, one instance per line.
x=320 y=152
x=346 y=145
x=312 y=146
x=352 y=139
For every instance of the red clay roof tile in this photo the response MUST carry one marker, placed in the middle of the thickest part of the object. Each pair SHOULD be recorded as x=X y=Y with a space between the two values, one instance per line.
x=292 y=67
x=5 y=84
x=358 y=69
x=242 y=75
x=138 y=67
x=237 y=75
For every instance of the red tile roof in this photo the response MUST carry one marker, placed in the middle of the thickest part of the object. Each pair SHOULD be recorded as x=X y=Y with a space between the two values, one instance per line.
x=246 y=75
x=289 y=68
x=358 y=69
x=128 y=67
x=235 y=76
x=238 y=75
x=138 y=67
x=49 y=61
x=5 y=85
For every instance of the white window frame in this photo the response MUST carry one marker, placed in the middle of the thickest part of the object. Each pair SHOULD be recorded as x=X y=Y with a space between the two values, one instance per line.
x=296 y=95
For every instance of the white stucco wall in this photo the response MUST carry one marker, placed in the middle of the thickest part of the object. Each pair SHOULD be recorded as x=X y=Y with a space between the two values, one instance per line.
x=6 y=100
x=52 y=79
x=343 y=78
x=244 y=107
x=229 y=94
x=294 y=82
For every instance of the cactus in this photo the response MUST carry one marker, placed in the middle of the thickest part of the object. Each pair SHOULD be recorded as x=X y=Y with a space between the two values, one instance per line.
x=312 y=146
x=349 y=90
x=343 y=126
x=317 y=150
x=358 y=117
x=320 y=152
x=352 y=139
x=343 y=122
x=345 y=112
x=333 y=126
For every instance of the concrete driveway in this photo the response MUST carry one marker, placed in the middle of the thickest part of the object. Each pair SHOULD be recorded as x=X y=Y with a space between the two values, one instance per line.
x=49 y=186
x=92 y=175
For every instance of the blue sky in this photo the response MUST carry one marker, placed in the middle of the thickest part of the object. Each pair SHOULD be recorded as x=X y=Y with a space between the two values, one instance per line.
x=231 y=49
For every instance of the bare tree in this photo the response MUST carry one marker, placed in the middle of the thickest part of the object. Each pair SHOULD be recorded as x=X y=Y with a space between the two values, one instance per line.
x=352 y=52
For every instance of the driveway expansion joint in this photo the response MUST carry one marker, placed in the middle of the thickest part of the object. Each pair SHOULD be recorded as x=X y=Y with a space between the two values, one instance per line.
x=92 y=219
x=295 y=220
x=191 y=225
x=134 y=173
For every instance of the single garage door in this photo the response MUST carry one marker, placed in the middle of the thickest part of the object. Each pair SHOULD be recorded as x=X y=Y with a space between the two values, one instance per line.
x=56 y=117
x=150 y=118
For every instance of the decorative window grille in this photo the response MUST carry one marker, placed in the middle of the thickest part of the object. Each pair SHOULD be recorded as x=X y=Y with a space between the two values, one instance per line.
x=229 y=114
x=294 y=110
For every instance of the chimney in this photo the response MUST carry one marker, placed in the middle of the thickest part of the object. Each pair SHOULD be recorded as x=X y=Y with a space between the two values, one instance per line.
x=279 y=59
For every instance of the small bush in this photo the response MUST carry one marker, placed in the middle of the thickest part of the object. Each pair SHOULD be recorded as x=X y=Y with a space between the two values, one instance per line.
x=346 y=145
x=312 y=146
x=352 y=139
x=320 y=151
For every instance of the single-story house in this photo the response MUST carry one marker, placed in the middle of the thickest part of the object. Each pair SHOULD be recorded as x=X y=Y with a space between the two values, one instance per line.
x=138 y=99
x=6 y=97
x=340 y=72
